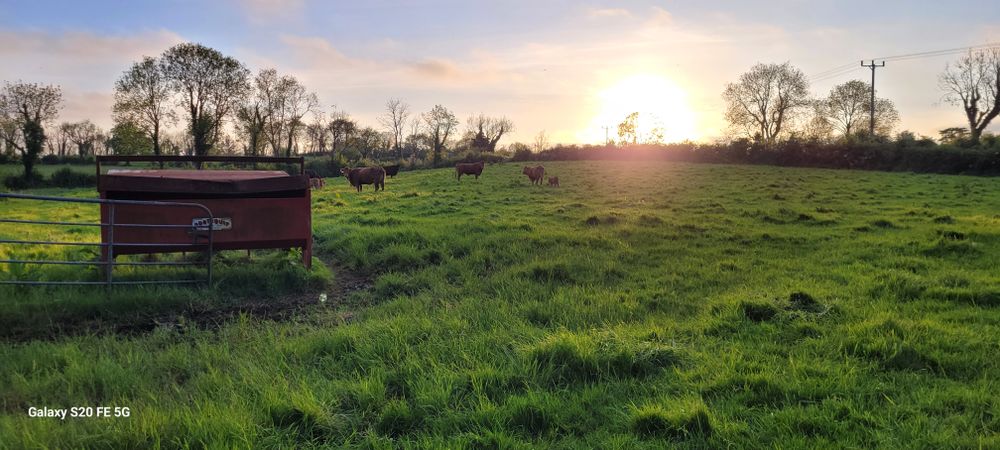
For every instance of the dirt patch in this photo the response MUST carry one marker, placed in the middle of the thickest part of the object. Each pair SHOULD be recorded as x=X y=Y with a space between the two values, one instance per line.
x=287 y=307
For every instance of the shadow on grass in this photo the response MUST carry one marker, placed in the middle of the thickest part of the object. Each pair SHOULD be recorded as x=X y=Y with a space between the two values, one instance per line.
x=272 y=285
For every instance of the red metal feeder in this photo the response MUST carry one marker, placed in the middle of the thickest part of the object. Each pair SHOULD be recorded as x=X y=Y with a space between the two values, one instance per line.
x=251 y=209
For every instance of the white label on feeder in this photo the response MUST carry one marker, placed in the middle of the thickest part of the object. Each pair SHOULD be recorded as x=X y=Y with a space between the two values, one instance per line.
x=218 y=223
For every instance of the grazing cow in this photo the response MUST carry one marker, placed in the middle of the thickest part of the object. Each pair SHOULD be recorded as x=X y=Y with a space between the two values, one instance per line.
x=365 y=175
x=534 y=174
x=469 y=169
x=315 y=181
x=554 y=181
x=392 y=170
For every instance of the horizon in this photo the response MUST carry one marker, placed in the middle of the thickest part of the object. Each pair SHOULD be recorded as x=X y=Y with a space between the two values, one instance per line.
x=558 y=67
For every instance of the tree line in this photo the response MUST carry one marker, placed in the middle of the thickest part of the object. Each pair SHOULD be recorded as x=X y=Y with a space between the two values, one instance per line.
x=772 y=102
x=226 y=109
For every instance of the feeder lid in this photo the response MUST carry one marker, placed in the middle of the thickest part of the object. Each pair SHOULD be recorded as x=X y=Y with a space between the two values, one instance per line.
x=200 y=181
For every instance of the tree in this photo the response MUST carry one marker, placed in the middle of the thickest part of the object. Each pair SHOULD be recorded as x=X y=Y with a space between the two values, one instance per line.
x=297 y=103
x=541 y=141
x=85 y=135
x=766 y=99
x=440 y=123
x=394 y=120
x=128 y=138
x=368 y=141
x=974 y=83
x=417 y=143
x=317 y=133
x=209 y=85
x=954 y=136
x=10 y=134
x=628 y=129
x=260 y=105
x=341 y=130
x=143 y=100
x=59 y=141
x=487 y=131
x=25 y=108
x=848 y=107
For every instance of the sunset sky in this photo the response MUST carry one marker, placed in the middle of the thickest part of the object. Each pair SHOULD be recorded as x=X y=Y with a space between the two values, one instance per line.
x=565 y=67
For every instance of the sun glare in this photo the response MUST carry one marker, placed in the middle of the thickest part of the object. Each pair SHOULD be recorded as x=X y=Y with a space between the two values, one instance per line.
x=661 y=104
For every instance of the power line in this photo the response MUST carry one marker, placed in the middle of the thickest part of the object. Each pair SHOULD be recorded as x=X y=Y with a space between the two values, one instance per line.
x=848 y=68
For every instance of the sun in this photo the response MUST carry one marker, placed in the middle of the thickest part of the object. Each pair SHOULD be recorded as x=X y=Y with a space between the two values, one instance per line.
x=662 y=105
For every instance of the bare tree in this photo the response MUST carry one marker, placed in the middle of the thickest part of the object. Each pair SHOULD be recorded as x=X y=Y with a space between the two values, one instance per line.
x=848 y=108
x=59 y=140
x=142 y=97
x=541 y=141
x=24 y=110
x=254 y=115
x=85 y=135
x=298 y=103
x=394 y=120
x=486 y=131
x=290 y=102
x=974 y=83
x=440 y=123
x=415 y=145
x=210 y=85
x=317 y=132
x=766 y=99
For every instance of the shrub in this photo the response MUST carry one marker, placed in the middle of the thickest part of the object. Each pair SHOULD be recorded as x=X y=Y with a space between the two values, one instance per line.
x=19 y=182
x=69 y=178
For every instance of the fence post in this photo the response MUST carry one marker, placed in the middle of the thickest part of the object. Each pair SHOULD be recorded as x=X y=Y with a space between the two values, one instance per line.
x=110 y=263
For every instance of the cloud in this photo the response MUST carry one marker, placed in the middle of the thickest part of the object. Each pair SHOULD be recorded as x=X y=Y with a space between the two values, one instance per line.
x=660 y=17
x=437 y=68
x=84 y=64
x=608 y=12
x=270 y=11
x=315 y=50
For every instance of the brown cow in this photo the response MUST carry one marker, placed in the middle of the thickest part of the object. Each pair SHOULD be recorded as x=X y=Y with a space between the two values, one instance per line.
x=365 y=175
x=392 y=170
x=469 y=169
x=554 y=181
x=534 y=174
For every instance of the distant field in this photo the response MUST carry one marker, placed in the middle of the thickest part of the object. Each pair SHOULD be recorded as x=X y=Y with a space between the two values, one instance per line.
x=640 y=305
x=43 y=169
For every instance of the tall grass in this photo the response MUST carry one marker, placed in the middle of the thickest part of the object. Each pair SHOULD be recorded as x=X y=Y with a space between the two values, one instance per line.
x=703 y=307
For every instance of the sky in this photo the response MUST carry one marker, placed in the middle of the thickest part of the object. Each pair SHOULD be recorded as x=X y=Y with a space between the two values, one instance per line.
x=568 y=68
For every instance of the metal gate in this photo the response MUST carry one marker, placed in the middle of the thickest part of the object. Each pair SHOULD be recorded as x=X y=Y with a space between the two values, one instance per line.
x=200 y=231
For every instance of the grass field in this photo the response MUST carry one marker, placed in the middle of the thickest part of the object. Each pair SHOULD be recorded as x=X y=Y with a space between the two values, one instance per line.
x=44 y=170
x=640 y=305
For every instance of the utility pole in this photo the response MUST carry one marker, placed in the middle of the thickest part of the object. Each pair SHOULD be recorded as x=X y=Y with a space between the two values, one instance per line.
x=605 y=135
x=871 y=122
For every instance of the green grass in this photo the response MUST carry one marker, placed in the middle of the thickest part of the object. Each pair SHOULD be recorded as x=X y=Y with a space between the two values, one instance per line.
x=45 y=170
x=640 y=305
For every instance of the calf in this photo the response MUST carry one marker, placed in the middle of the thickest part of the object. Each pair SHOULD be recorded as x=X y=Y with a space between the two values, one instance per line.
x=534 y=174
x=392 y=170
x=469 y=169
x=315 y=181
x=554 y=181
x=365 y=175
